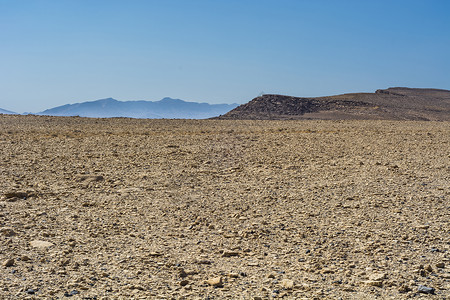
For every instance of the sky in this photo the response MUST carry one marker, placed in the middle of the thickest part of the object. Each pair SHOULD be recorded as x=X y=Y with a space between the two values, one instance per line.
x=55 y=52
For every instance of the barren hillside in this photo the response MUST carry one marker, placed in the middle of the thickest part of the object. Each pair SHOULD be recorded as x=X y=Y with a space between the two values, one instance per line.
x=389 y=104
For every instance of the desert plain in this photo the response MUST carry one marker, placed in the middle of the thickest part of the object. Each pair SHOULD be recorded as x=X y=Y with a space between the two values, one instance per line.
x=223 y=209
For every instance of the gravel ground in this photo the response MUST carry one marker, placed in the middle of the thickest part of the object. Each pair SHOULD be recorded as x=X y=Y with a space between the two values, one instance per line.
x=209 y=209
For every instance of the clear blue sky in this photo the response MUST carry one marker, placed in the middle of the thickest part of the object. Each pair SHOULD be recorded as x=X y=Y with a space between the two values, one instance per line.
x=54 y=52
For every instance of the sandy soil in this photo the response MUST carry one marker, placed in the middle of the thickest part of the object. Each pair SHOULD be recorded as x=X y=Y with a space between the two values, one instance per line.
x=165 y=209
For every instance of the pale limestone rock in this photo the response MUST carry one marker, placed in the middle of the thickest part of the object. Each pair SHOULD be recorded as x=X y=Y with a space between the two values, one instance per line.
x=40 y=244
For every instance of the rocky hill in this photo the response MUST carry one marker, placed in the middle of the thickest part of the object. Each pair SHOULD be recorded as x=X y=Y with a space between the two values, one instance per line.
x=397 y=103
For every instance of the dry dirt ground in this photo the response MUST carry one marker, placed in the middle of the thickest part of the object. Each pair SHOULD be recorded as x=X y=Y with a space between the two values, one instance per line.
x=209 y=209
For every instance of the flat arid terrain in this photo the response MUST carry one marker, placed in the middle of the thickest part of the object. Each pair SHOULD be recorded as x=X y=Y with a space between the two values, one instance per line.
x=223 y=209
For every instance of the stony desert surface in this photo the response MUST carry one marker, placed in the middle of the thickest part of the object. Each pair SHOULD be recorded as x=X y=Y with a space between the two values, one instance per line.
x=223 y=209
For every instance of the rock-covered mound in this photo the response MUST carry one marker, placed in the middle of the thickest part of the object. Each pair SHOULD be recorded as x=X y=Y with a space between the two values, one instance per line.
x=389 y=104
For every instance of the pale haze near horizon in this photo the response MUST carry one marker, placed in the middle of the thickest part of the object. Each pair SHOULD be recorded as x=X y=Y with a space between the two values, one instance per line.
x=58 y=52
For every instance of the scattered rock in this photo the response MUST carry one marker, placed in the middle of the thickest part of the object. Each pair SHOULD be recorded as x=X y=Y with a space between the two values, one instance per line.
x=184 y=282
x=182 y=273
x=40 y=244
x=203 y=262
x=88 y=178
x=440 y=265
x=374 y=283
x=377 y=277
x=216 y=281
x=287 y=284
x=20 y=195
x=8 y=263
x=404 y=289
x=5 y=231
x=425 y=290
x=423 y=227
x=30 y=291
x=25 y=258
x=71 y=293
x=229 y=253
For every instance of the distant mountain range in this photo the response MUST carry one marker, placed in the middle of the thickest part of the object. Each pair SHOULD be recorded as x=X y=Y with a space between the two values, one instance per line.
x=6 y=112
x=397 y=103
x=166 y=108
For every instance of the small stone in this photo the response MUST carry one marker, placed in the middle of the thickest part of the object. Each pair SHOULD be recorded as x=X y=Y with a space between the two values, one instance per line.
x=374 y=283
x=8 y=263
x=216 y=281
x=20 y=195
x=229 y=253
x=287 y=284
x=184 y=282
x=327 y=271
x=154 y=254
x=425 y=290
x=13 y=199
x=404 y=289
x=377 y=277
x=203 y=262
x=191 y=272
x=89 y=178
x=25 y=258
x=30 y=291
x=233 y=275
x=40 y=244
x=182 y=273
x=429 y=268
x=5 y=231
x=423 y=226
x=257 y=298
x=440 y=265
x=271 y=275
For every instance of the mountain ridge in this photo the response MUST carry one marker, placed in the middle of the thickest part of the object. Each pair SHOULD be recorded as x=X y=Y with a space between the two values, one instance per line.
x=167 y=108
x=7 y=112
